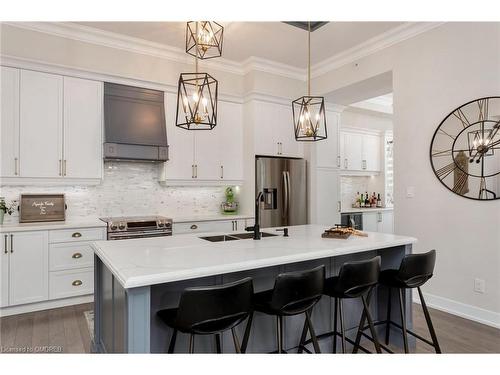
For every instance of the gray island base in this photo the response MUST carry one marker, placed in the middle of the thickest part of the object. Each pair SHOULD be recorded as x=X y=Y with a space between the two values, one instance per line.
x=136 y=278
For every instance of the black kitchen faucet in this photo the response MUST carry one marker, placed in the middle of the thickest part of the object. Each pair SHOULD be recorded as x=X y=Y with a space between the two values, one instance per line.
x=256 y=226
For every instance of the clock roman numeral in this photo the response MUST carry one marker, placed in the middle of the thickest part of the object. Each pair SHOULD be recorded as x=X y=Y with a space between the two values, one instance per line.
x=483 y=105
x=461 y=116
x=446 y=170
x=442 y=153
x=441 y=131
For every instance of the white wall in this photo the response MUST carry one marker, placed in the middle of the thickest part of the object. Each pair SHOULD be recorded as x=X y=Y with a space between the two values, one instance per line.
x=434 y=73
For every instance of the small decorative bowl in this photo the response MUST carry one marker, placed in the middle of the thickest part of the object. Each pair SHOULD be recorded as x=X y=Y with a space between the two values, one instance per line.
x=229 y=207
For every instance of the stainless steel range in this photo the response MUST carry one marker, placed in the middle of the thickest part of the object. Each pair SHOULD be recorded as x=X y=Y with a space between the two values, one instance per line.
x=121 y=228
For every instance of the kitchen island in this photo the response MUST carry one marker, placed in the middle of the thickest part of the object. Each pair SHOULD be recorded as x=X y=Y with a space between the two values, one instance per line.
x=136 y=278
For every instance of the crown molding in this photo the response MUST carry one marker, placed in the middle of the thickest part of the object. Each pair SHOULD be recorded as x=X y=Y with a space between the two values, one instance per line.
x=127 y=43
x=373 y=45
x=269 y=66
x=136 y=45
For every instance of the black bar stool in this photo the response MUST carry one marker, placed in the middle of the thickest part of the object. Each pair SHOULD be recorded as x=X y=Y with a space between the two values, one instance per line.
x=355 y=280
x=294 y=293
x=413 y=272
x=210 y=311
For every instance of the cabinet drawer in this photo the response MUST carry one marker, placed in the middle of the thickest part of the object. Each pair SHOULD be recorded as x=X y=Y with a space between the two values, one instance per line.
x=193 y=227
x=72 y=235
x=65 y=256
x=64 y=284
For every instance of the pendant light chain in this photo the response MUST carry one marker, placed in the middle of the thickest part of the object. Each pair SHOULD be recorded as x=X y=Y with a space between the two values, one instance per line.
x=309 y=58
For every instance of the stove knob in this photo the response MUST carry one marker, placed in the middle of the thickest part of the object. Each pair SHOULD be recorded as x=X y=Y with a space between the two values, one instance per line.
x=161 y=224
x=121 y=226
x=113 y=227
x=168 y=225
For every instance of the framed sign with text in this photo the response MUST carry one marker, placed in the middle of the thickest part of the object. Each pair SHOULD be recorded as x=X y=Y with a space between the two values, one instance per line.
x=42 y=207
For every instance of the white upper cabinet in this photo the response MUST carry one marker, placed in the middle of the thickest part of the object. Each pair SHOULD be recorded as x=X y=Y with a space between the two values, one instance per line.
x=83 y=101
x=9 y=122
x=360 y=151
x=51 y=128
x=41 y=124
x=274 y=131
x=180 y=165
x=353 y=150
x=230 y=142
x=371 y=153
x=327 y=150
x=210 y=157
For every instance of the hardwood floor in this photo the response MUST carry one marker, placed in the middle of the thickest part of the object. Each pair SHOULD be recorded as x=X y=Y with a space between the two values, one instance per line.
x=65 y=330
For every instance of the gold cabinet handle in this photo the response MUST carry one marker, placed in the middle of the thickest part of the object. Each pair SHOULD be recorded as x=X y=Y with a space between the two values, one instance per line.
x=221 y=171
x=11 y=243
x=16 y=166
x=76 y=235
x=194 y=226
x=76 y=256
x=5 y=244
x=60 y=167
x=64 y=167
x=77 y=283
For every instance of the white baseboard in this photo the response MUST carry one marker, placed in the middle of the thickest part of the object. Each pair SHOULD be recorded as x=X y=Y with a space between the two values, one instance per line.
x=45 y=305
x=460 y=309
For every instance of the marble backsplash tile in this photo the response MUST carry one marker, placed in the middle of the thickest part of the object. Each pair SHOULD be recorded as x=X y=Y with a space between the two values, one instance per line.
x=128 y=188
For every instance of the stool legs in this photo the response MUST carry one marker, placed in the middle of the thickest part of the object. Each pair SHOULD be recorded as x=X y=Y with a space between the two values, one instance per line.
x=403 y=320
x=235 y=341
x=279 y=333
x=312 y=333
x=191 y=343
x=171 y=346
x=217 y=343
x=370 y=324
x=388 y=324
x=246 y=335
x=342 y=325
x=335 y=318
x=429 y=322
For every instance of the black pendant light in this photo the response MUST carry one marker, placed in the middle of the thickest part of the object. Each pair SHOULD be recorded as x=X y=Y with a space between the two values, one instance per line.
x=309 y=118
x=196 y=99
x=204 y=39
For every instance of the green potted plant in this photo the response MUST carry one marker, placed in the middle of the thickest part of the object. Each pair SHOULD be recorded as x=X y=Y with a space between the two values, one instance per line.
x=229 y=206
x=6 y=208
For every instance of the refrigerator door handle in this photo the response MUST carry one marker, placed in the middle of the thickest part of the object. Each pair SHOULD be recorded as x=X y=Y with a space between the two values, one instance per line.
x=285 y=195
x=288 y=193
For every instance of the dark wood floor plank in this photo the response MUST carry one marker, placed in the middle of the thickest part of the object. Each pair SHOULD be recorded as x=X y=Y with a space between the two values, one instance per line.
x=74 y=342
x=24 y=332
x=40 y=340
x=56 y=329
x=8 y=326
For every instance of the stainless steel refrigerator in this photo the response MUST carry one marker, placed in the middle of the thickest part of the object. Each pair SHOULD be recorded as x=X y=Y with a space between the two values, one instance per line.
x=283 y=184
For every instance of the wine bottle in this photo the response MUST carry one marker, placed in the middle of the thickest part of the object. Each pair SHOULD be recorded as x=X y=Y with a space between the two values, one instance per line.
x=367 y=200
x=379 y=201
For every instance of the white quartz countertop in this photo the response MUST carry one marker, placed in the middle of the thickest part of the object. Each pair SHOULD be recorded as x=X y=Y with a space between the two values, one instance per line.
x=351 y=210
x=149 y=261
x=25 y=227
x=217 y=217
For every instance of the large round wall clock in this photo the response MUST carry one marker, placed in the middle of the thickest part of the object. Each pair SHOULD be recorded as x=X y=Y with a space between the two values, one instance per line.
x=465 y=149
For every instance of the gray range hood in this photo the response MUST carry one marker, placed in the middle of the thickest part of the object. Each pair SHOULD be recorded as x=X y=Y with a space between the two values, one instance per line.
x=134 y=124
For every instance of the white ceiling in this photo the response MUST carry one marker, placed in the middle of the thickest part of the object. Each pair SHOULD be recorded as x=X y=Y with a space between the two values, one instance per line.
x=269 y=40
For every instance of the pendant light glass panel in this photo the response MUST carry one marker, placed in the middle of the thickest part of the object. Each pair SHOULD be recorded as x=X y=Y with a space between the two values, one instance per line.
x=197 y=101
x=309 y=118
x=204 y=39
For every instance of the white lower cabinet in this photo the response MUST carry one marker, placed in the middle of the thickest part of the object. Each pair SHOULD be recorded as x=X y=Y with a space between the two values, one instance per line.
x=71 y=283
x=45 y=265
x=226 y=226
x=27 y=280
x=378 y=221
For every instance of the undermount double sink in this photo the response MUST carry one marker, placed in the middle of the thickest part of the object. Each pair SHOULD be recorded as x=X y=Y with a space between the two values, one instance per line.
x=234 y=237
